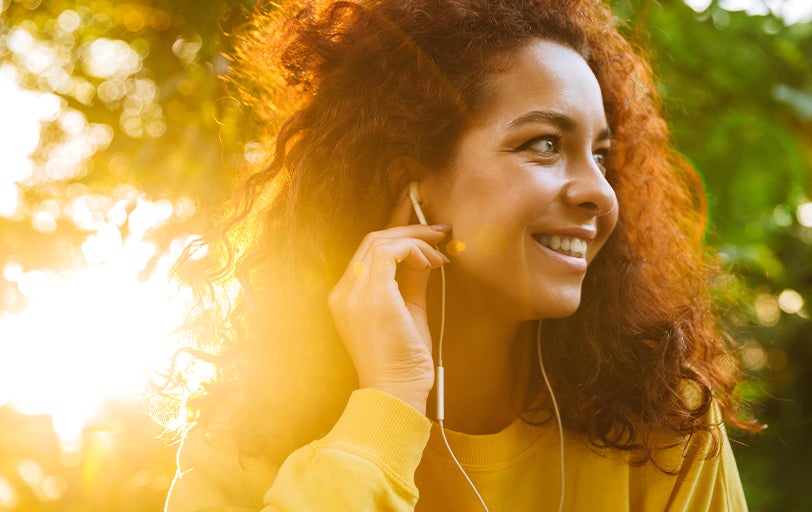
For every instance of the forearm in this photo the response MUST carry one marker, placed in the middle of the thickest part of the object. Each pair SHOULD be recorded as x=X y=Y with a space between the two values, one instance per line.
x=366 y=462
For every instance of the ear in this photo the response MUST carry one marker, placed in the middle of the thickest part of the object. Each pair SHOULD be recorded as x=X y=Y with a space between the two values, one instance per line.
x=403 y=170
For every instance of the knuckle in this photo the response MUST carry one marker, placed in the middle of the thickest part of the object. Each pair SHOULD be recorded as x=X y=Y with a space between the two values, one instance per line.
x=373 y=236
x=380 y=250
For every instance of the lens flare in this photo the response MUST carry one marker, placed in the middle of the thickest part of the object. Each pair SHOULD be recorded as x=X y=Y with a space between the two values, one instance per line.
x=87 y=336
x=91 y=333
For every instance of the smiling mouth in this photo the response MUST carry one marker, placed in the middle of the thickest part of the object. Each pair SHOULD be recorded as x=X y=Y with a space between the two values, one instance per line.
x=566 y=245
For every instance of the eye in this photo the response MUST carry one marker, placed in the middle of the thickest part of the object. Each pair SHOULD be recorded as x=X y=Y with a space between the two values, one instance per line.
x=545 y=145
x=600 y=158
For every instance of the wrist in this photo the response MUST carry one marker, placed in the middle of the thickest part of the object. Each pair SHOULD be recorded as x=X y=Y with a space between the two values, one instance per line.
x=415 y=395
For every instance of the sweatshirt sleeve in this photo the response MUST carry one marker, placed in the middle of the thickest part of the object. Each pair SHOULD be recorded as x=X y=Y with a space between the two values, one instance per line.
x=366 y=462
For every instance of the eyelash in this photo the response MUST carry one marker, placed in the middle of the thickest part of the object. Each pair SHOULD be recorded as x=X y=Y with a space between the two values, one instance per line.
x=554 y=138
x=604 y=155
x=599 y=155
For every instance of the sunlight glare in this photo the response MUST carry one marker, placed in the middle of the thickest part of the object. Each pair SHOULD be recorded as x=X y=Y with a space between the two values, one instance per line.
x=87 y=335
x=92 y=333
x=20 y=125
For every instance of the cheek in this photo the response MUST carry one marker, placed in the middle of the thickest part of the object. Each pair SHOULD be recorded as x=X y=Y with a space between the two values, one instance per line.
x=607 y=223
x=606 y=226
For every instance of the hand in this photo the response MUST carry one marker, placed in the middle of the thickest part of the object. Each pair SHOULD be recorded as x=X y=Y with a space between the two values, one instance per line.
x=379 y=307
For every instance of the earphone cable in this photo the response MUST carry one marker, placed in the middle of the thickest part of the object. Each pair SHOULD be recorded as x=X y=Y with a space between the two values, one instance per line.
x=557 y=415
x=441 y=391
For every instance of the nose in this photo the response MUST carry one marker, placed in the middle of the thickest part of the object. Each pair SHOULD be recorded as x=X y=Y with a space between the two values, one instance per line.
x=588 y=189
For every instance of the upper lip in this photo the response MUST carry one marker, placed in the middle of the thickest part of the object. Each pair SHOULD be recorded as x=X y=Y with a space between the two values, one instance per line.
x=584 y=233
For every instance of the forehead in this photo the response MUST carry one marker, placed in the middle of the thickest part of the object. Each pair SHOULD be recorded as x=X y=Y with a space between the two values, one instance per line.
x=544 y=75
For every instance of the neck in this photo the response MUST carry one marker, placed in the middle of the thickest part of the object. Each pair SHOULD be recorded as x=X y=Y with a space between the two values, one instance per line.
x=485 y=363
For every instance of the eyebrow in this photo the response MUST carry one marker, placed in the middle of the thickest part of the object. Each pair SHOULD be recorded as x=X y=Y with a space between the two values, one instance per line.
x=562 y=121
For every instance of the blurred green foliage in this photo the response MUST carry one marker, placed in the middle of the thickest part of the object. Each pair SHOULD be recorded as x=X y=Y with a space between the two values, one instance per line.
x=148 y=113
x=738 y=93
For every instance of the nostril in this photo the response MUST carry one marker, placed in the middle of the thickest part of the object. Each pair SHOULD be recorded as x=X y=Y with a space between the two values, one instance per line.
x=590 y=207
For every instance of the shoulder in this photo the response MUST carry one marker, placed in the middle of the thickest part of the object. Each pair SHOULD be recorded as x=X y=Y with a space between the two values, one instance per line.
x=211 y=471
x=704 y=475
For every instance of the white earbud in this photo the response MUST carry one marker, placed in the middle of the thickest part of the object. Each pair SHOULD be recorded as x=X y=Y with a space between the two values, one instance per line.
x=414 y=196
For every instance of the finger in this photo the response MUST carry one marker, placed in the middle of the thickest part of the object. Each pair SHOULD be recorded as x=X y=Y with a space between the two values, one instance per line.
x=432 y=234
x=424 y=255
x=413 y=253
x=357 y=270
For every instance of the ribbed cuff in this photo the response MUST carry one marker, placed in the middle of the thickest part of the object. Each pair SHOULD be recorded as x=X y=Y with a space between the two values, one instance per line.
x=384 y=428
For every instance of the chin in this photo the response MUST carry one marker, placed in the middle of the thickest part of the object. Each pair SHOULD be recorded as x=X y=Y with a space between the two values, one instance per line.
x=562 y=313
x=560 y=307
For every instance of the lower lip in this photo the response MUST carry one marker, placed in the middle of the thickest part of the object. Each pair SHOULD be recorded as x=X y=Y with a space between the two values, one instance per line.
x=577 y=264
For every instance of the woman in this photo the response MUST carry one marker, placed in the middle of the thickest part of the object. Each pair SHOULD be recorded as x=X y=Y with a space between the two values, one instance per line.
x=533 y=136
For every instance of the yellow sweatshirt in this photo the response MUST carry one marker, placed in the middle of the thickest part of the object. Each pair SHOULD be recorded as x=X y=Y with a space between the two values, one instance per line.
x=384 y=455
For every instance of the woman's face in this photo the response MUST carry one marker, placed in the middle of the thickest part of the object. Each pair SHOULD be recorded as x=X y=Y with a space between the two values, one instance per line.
x=526 y=192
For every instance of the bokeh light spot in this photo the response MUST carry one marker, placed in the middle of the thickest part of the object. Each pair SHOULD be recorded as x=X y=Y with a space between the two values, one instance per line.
x=691 y=393
x=20 y=41
x=12 y=270
x=72 y=121
x=254 y=152
x=30 y=472
x=69 y=20
x=105 y=58
x=753 y=356
x=160 y=20
x=790 y=301
x=83 y=91
x=804 y=214
x=782 y=215
x=133 y=20
x=10 y=199
x=45 y=216
x=184 y=208
x=768 y=313
x=8 y=496
x=186 y=48
x=53 y=487
x=455 y=247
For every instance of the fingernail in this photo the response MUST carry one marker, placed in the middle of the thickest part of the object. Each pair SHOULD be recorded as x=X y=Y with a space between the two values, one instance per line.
x=445 y=228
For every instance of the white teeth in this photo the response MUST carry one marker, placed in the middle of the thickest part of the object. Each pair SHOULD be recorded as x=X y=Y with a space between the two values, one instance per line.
x=567 y=245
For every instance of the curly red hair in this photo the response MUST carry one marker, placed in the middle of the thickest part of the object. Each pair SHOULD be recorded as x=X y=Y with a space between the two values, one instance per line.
x=340 y=93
